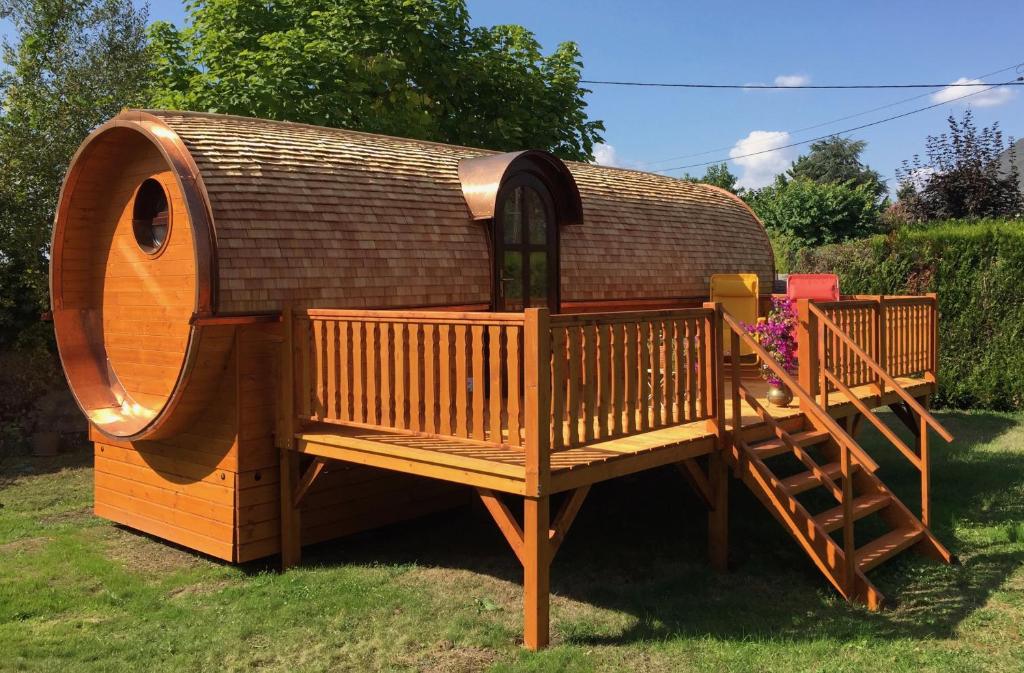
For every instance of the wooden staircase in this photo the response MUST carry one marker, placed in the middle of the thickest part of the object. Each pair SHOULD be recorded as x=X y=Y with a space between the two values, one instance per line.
x=760 y=466
x=833 y=467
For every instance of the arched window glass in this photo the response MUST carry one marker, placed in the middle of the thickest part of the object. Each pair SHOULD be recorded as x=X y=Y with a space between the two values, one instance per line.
x=527 y=246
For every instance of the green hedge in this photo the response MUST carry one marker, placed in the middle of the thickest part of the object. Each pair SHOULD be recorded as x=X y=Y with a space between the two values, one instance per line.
x=978 y=271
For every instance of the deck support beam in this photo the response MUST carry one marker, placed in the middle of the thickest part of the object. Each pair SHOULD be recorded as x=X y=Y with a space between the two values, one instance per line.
x=566 y=515
x=536 y=572
x=507 y=523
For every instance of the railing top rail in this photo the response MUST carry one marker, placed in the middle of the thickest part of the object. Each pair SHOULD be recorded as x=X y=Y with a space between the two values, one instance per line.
x=416 y=316
x=878 y=369
x=565 y=319
x=808 y=401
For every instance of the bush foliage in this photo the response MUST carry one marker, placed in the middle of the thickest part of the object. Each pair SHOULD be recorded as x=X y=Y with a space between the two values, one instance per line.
x=977 y=269
x=813 y=213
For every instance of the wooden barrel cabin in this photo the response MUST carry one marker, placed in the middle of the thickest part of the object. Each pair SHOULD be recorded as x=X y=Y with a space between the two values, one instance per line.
x=181 y=236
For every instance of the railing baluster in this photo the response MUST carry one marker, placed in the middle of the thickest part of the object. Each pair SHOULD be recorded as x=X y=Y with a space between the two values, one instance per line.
x=604 y=378
x=515 y=373
x=644 y=403
x=345 y=367
x=461 y=383
x=386 y=362
x=479 y=383
x=631 y=377
x=573 y=334
x=444 y=378
x=401 y=388
x=589 y=381
x=495 y=374
x=618 y=376
x=430 y=378
x=558 y=400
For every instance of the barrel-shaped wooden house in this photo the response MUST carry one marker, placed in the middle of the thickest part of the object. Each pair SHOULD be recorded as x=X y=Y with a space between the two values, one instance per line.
x=181 y=236
x=282 y=334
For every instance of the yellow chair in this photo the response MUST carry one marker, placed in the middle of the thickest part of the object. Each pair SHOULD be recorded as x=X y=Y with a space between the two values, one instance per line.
x=738 y=294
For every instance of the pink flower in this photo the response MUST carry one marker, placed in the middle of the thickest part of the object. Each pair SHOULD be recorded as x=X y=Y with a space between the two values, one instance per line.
x=775 y=334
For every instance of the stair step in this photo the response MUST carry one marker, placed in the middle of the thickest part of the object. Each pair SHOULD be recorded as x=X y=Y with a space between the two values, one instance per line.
x=776 y=447
x=884 y=548
x=832 y=519
x=805 y=481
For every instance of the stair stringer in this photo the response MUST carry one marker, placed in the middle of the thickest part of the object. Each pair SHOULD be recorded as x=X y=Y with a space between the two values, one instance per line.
x=798 y=522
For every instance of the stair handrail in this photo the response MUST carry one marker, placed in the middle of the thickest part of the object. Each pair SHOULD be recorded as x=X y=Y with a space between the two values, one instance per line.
x=880 y=371
x=807 y=401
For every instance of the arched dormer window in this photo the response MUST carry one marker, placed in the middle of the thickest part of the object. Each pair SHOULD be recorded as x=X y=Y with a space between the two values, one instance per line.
x=526 y=197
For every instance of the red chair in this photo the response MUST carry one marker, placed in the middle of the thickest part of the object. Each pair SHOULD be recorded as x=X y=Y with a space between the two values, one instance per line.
x=817 y=286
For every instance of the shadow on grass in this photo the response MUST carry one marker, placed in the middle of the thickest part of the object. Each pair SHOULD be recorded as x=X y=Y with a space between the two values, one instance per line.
x=639 y=547
x=76 y=451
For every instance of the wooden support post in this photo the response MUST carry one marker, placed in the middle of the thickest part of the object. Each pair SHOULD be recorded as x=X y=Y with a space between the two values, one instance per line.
x=536 y=572
x=883 y=344
x=284 y=437
x=922 y=452
x=537 y=398
x=807 y=347
x=933 y=339
x=849 y=550
x=291 y=532
x=714 y=368
x=718 y=516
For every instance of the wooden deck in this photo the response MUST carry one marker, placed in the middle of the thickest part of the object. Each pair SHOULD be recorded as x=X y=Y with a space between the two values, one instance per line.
x=535 y=405
x=503 y=468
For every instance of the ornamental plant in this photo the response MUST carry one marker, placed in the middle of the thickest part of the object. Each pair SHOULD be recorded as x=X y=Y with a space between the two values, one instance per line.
x=777 y=335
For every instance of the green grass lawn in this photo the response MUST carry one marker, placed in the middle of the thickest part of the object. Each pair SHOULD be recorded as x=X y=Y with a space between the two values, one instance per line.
x=632 y=589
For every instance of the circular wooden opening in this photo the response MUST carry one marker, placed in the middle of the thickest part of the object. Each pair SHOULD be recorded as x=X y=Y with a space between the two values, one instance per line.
x=151 y=217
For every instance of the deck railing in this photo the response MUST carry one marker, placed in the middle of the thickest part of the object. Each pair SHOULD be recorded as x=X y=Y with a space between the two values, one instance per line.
x=521 y=380
x=616 y=374
x=899 y=333
x=434 y=373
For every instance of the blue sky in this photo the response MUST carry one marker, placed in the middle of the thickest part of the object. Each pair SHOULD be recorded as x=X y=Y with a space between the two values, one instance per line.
x=742 y=42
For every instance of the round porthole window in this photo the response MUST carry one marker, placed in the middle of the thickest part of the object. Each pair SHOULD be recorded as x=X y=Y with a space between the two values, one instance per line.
x=151 y=217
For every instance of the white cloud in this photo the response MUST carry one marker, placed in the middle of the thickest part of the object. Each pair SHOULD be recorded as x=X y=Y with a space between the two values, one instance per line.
x=990 y=98
x=792 y=80
x=605 y=155
x=781 y=80
x=760 y=169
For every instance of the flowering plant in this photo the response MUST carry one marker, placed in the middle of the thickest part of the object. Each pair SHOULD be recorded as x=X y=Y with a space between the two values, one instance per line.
x=776 y=334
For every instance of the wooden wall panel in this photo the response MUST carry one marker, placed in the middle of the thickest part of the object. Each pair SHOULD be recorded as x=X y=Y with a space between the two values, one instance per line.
x=214 y=488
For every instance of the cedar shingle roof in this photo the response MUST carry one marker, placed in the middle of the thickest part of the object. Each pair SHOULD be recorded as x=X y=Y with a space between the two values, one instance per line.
x=337 y=218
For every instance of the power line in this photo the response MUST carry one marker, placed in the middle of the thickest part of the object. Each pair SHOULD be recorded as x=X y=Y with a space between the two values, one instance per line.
x=849 y=130
x=1016 y=66
x=1017 y=82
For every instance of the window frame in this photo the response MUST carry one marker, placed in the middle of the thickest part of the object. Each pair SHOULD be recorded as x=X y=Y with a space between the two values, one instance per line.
x=550 y=247
x=159 y=249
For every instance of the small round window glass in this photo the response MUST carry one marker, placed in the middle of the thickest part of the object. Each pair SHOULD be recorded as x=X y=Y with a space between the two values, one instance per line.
x=151 y=219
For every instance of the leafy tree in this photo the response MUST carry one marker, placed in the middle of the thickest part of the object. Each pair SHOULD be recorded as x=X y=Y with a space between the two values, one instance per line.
x=718 y=175
x=837 y=160
x=72 y=65
x=962 y=176
x=404 y=67
x=809 y=213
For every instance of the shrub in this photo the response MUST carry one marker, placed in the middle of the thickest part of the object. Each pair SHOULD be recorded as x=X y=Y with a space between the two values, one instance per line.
x=811 y=213
x=978 y=271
